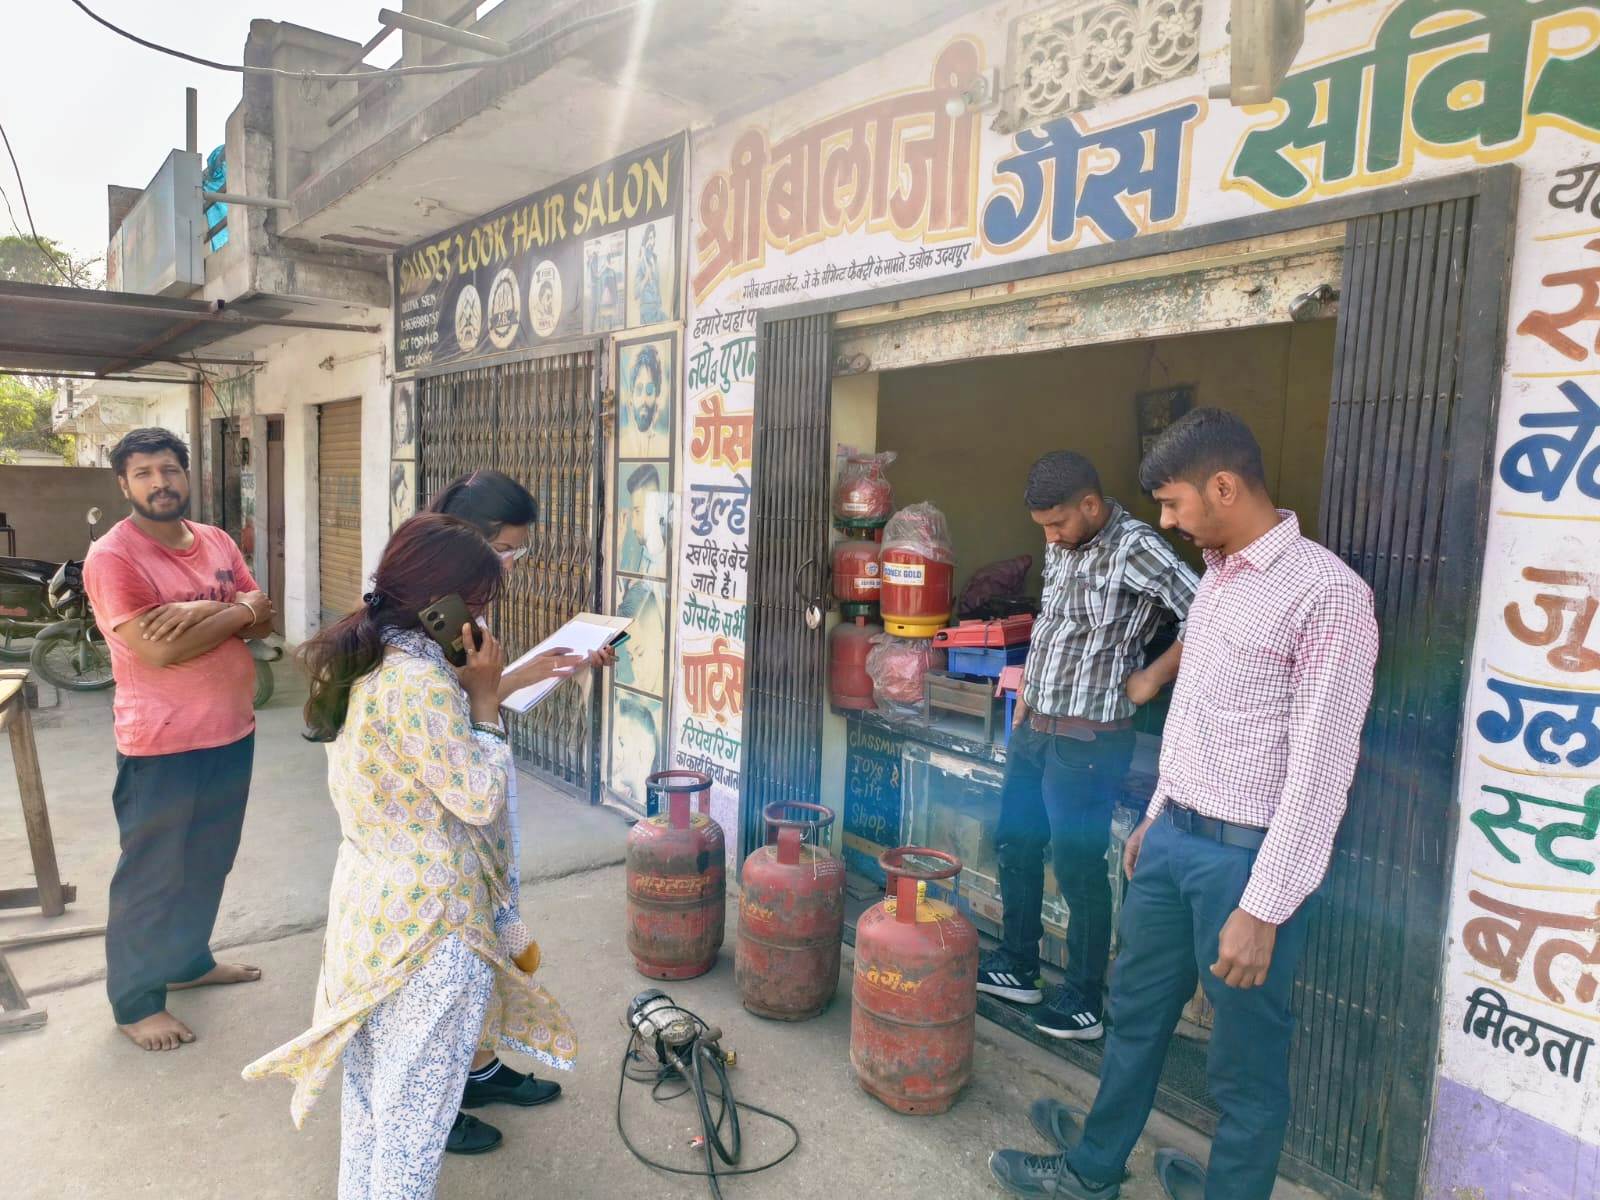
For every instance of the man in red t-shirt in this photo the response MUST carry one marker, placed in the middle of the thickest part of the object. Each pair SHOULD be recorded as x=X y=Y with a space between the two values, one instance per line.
x=175 y=601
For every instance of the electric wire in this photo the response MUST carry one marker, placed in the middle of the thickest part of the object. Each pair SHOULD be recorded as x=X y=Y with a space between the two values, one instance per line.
x=492 y=60
x=28 y=211
x=690 y=1074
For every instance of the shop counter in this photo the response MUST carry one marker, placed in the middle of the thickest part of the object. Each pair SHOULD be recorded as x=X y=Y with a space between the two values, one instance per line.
x=937 y=784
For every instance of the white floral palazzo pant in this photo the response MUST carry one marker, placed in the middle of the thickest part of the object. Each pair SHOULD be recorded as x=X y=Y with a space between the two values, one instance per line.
x=404 y=1072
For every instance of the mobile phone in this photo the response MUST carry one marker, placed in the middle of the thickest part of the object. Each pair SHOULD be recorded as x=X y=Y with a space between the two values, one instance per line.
x=618 y=640
x=442 y=621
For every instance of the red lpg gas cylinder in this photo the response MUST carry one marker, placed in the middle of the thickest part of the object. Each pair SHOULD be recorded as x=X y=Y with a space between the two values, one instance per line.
x=855 y=571
x=676 y=884
x=915 y=595
x=915 y=998
x=791 y=919
x=849 y=685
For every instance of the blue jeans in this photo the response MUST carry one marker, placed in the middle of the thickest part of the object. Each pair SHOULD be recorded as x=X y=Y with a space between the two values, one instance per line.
x=1183 y=889
x=1059 y=792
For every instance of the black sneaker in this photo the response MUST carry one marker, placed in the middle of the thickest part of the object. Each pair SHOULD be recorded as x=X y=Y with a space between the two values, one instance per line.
x=471 y=1136
x=1045 y=1176
x=998 y=976
x=1069 y=1018
x=1056 y=1122
x=506 y=1086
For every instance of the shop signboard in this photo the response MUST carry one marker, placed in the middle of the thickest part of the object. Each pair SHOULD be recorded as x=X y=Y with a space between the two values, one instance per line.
x=885 y=175
x=595 y=254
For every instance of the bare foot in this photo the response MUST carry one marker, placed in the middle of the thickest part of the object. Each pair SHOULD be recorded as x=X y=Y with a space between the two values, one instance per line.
x=222 y=973
x=160 y=1032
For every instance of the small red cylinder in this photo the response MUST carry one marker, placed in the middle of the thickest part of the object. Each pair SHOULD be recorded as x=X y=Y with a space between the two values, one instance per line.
x=676 y=882
x=849 y=685
x=913 y=1016
x=791 y=920
x=855 y=571
x=915 y=597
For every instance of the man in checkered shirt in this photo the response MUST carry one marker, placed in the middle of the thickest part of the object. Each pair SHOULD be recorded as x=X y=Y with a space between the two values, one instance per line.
x=1257 y=759
x=1109 y=583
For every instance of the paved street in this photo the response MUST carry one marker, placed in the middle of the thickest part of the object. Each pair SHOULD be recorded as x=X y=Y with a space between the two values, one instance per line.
x=82 y=1114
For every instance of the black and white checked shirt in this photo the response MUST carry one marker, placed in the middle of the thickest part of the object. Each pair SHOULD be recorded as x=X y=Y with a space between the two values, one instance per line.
x=1102 y=604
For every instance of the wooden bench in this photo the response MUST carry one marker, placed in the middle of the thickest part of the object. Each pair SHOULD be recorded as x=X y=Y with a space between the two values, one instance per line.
x=49 y=894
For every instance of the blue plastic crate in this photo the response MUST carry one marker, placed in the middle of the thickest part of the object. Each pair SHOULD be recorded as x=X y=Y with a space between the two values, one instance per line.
x=985 y=661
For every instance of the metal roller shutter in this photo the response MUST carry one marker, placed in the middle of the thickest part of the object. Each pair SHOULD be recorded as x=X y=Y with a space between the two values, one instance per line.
x=339 y=507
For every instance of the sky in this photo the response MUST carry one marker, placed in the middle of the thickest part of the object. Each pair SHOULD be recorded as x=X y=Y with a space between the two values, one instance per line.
x=84 y=108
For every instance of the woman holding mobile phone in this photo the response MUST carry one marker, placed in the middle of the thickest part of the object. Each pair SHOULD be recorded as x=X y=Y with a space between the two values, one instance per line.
x=417 y=965
x=503 y=511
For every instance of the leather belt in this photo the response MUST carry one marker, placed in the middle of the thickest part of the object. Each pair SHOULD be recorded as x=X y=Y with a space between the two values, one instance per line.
x=1077 y=728
x=1226 y=833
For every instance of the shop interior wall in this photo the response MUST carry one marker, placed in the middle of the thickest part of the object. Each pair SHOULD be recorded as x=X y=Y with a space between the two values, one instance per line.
x=966 y=433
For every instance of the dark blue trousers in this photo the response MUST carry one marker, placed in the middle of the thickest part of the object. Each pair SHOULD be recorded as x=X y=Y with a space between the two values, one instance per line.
x=179 y=817
x=1059 y=792
x=1183 y=889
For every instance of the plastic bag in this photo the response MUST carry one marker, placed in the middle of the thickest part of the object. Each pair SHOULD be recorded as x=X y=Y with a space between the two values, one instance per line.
x=896 y=667
x=862 y=493
x=921 y=528
x=994 y=584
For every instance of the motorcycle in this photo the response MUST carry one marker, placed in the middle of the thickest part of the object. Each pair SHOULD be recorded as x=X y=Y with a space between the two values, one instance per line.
x=71 y=652
x=24 y=604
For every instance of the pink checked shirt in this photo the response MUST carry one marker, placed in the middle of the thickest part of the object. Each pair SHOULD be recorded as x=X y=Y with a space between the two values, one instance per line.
x=1266 y=716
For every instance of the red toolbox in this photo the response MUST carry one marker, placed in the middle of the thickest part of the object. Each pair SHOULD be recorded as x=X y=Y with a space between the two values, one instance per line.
x=995 y=634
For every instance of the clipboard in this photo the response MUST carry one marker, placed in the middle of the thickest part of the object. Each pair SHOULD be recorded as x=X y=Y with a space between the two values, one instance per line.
x=584 y=634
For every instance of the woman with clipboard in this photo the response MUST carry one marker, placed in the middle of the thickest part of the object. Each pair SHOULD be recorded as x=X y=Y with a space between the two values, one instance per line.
x=502 y=510
x=419 y=964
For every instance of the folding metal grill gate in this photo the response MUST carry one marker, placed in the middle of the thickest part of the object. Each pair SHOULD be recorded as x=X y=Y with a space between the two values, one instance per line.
x=1405 y=494
x=538 y=420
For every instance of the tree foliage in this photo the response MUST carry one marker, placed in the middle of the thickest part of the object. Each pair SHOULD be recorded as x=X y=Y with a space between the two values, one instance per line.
x=23 y=261
x=25 y=421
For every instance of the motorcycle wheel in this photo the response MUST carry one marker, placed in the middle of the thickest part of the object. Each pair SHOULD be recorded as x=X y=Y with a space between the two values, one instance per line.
x=15 y=648
x=73 y=659
x=264 y=683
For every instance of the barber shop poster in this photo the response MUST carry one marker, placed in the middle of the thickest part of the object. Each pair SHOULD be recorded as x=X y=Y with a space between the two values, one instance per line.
x=596 y=253
x=641 y=544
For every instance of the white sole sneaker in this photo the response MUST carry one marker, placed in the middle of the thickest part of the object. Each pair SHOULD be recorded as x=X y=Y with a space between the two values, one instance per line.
x=1087 y=1032
x=1019 y=993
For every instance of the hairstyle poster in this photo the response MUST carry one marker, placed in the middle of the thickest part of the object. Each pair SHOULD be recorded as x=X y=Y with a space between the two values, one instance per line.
x=402 y=493
x=637 y=745
x=644 y=399
x=403 y=414
x=605 y=270
x=652 y=273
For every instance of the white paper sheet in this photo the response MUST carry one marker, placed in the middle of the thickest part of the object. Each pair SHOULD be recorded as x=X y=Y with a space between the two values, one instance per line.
x=584 y=634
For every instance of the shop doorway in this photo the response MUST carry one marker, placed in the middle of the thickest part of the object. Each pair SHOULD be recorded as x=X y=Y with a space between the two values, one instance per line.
x=339 y=508
x=275 y=522
x=226 y=505
x=1399 y=487
x=538 y=420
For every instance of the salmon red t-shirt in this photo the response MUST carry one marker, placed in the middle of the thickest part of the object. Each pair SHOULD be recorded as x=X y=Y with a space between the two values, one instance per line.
x=194 y=705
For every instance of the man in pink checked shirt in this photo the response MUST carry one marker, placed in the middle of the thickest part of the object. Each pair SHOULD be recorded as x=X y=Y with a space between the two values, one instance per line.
x=1259 y=751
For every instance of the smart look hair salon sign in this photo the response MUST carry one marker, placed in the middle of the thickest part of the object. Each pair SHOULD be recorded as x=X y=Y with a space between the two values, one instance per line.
x=591 y=255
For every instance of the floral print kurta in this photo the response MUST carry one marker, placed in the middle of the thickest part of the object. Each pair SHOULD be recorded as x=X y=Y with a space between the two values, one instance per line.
x=425 y=854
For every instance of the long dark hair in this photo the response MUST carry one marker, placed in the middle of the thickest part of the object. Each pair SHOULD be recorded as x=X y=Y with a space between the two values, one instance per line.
x=429 y=557
x=487 y=500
